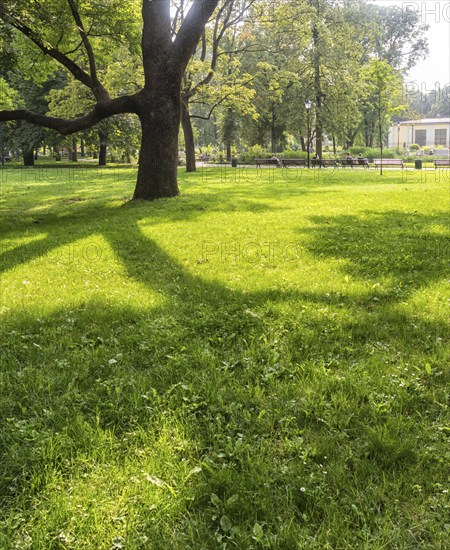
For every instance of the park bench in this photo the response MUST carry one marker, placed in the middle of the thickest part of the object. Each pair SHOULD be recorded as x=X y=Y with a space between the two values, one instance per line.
x=347 y=162
x=292 y=162
x=262 y=162
x=363 y=162
x=355 y=162
x=388 y=162
x=441 y=163
x=323 y=163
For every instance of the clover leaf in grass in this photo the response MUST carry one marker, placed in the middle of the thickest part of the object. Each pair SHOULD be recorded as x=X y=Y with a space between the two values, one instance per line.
x=258 y=532
x=225 y=523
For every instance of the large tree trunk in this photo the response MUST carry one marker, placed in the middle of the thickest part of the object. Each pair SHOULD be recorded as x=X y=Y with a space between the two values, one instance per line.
x=28 y=157
x=188 y=138
x=102 y=154
x=74 y=150
x=228 y=151
x=159 y=113
x=103 y=138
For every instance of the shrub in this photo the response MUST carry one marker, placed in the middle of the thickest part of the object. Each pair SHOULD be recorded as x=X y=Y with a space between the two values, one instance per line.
x=291 y=154
x=373 y=152
x=388 y=153
x=254 y=152
x=414 y=147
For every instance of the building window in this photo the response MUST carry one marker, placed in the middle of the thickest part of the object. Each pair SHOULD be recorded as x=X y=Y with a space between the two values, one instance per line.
x=440 y=137
x=421 y=137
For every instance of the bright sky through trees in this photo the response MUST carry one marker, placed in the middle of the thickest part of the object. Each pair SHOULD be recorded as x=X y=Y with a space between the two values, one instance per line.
x=436 y=67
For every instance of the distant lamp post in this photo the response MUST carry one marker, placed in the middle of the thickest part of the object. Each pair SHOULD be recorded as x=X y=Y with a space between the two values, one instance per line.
x=412 y=133
x=308 y=110
x=398 y=135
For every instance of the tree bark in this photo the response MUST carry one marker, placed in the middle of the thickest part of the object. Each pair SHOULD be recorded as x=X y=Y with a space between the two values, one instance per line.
x=103 y=139
x=188 y=138
x=228 y=150
x=102 y=154
x=28 y=157
x=74 y=150
x=159 y=113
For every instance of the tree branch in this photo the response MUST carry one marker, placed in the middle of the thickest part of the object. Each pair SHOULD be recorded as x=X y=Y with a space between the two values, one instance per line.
x=126 y=104
x=220 y=26
x=85 y=39
x=74 y=49
x=191 y=29
x=47 y=49
x=219 y=102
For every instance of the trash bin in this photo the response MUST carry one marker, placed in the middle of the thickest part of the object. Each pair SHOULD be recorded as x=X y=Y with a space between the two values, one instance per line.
x=234 y=163
x=418 y=164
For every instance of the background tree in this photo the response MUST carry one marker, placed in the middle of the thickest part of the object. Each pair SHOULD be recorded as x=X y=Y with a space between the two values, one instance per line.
x=391 y=33
x=383 y=96
x=213 y=77
x=25 y=136
x=8 y=100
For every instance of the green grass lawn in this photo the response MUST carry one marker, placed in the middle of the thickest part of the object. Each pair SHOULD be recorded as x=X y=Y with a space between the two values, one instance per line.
x=261 y=362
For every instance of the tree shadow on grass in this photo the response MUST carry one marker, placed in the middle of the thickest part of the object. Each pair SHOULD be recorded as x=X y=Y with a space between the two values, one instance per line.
x=404 y=258
x=197 y=196
x=410 y=250
x=205 y=355
x=72 y=219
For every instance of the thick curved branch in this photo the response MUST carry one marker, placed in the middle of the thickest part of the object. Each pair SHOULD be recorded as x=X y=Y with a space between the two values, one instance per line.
x=97 y=89
x=126 y=104
x=191 y=29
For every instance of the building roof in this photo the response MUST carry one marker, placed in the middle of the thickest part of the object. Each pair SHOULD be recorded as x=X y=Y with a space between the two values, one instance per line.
x=427 y=121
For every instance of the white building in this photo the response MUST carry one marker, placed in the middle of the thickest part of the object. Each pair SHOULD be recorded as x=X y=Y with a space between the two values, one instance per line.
x=428 y=132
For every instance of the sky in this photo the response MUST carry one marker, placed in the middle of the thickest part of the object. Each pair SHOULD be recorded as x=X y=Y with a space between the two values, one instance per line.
x=436 y=68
